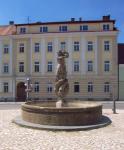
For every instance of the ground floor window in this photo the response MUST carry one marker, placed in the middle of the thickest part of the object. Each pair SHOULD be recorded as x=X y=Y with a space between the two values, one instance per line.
x=36 y=87
x=106 y=87
x=76 y=87
x=49 y=88
x=90 y=87
x=5 y=87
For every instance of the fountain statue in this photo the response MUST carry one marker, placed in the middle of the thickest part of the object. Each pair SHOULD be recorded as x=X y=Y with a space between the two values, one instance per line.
x=61 y=83
x=60 y=114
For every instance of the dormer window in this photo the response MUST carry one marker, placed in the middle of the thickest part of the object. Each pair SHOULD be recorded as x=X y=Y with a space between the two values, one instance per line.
x=106 y=27
x=84 y=28
x=44 y=29
x=63 y=28
x=22 y=30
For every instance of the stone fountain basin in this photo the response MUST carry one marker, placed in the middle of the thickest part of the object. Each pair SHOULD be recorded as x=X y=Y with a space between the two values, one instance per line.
x=75 y=113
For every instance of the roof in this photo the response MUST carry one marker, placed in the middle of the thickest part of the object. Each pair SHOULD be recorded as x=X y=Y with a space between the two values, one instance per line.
x=7 y=30
x=121 y=53
x=66 y=22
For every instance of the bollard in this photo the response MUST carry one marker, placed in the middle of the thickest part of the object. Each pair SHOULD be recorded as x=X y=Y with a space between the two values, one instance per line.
x=114 y=106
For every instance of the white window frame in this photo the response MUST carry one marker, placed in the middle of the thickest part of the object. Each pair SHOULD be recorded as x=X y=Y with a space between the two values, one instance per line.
x=49 y=88
x=6 y=49
x=90 y=87
x=106 y=87
x=5 y=68
x=49 y=47
x=106 y=66
x=106 y=45
x=76 y=46
x=36 y=87
x=63 y=28
x=49 y=66
x=78 y=87
x=5 y=87
x=36 y=47
x=76 y=66
x=36 y=66
x=21 y=47
x=106 y=27
x=63 y=46
x=90 y=46
x=90 y=66
x=21 y=67
x=22 y=30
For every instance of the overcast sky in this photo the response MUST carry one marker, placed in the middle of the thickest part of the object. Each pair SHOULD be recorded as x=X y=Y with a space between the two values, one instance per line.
x=62 y=10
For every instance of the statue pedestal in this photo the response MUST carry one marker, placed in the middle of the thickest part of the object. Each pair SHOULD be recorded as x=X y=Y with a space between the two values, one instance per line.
x=59 y=104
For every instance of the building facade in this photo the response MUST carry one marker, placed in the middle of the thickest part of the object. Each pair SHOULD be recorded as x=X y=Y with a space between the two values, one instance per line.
x=30 y=50
x=121 y=70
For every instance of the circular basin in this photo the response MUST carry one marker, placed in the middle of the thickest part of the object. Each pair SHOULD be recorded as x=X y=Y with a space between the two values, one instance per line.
x=75 y=113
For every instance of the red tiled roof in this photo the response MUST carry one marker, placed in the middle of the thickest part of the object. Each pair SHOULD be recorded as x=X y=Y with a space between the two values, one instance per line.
x=7 y=30
x=121 y=53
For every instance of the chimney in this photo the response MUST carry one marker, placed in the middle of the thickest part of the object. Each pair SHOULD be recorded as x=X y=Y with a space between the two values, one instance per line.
x=106 y=18
x=11 y=22
x=72 y=19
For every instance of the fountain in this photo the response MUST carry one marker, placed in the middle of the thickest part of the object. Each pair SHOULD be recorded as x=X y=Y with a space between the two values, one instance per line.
x=62 y=114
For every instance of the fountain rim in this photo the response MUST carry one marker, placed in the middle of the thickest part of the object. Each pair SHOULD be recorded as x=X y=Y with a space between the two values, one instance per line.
x=28 y=106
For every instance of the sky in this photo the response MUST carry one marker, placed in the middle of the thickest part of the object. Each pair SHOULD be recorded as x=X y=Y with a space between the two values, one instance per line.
x=62 y=10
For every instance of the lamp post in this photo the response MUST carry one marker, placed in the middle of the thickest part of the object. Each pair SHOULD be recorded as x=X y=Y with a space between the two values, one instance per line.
x=28 y=88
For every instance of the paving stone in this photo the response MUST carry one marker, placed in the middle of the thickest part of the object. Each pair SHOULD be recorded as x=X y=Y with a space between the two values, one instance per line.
x=13 y=137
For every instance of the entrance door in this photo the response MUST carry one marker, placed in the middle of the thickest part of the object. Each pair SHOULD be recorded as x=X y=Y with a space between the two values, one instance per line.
x=21 y=94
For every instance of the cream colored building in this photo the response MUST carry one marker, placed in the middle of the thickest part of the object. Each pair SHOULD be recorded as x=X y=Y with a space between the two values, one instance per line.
x=30 y=50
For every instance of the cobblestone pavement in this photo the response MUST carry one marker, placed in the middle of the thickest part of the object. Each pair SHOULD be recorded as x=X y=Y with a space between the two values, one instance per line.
x=14 y=137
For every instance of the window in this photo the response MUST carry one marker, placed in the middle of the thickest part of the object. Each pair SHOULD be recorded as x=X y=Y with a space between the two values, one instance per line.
x=76 y=66
x=106 y=87
x=36 y=87
x=50 y=66
x=106 y=66
x=84 y=28
x=49 y=88
x=6 y=68
x=36 y=66
x=37 y=47
x=21 y=66
x=90 y=87
x=76 y=46
x=106 y=46
x=76 y=87
x=106 y=27
x=6 y=49
x=63 y=28
x=5 y=87
x=21 y=47
x=23 y=30
x=50 y=47
x=90 y=45
x=90 y=66
x=44 y=29
x=63 y=46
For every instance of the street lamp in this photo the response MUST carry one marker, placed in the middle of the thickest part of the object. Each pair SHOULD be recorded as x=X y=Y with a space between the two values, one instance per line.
x=28 y=88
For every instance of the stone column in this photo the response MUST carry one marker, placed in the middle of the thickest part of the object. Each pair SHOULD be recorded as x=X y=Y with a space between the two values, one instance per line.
x=83 y=53
x=13 y=87
x=43 y=56
x=31 y=51
x=96 y=56
x=69 y=49
x=11 y=57
x=55 y=50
